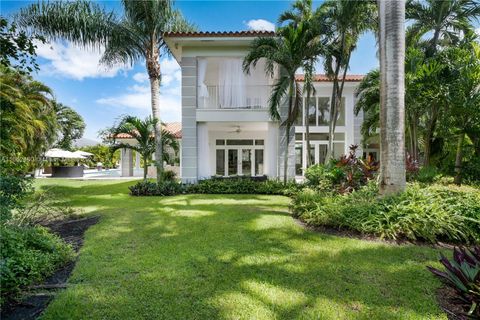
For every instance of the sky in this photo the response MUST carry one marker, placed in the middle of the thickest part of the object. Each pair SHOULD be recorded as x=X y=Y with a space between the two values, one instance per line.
x=102 y=95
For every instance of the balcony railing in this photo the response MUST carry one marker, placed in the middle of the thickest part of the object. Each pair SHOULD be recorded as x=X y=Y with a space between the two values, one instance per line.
x=236 y=97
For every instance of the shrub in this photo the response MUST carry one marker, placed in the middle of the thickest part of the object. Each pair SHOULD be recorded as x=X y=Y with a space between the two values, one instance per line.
x=471 y=171
x=323 y=177
x=169 y=175
x=239 y=185
x=430 y=213
x=463 y=275
x=40 y=208
x=344 y=175
x=13 y=190
x=426 y=175
x=28 y=254
x=147 y=188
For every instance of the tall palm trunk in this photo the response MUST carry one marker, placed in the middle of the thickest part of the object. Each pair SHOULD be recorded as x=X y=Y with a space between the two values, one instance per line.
x=145 y=167
x=333 y=106
x=392 y=96
x=412 y=130
x=337 y=103
x=307 y=129
x=429 y=134
x=155 y=91
x=287 y=134
x=458 y=159
x=153 y=68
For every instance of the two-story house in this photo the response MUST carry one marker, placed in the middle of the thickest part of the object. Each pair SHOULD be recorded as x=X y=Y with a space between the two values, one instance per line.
x=226 y=126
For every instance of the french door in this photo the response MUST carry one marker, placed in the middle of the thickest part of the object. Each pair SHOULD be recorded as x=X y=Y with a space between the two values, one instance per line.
x=245 y=161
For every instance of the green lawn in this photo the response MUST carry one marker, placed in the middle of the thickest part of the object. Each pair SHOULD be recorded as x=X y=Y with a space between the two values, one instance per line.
x=230 y=257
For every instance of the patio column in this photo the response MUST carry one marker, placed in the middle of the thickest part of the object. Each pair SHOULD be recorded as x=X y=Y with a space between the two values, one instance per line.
x=127 y=162
x=137 y=160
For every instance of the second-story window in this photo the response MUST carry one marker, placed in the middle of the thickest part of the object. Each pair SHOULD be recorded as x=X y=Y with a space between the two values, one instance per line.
x=311 y=106
x=324 y=112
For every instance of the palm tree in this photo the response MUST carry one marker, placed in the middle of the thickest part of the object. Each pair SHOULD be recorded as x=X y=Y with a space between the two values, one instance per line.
x=302 y=13
x=446 y=21
x=346 y=21
x=392 y=98
x=28 y=121
x=143 y=132
x=368 y=101
x=287 y=51
x=137 y=35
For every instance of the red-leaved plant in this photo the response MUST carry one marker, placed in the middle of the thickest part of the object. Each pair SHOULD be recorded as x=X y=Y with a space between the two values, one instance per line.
x=463 y=275
x=357 y=171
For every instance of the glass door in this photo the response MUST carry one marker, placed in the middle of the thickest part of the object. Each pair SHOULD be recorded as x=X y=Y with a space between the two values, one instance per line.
x=232 y=162
x=322 y=153
x=246 y=162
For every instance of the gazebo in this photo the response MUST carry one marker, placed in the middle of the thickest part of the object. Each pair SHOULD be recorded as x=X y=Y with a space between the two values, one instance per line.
x=65 y=171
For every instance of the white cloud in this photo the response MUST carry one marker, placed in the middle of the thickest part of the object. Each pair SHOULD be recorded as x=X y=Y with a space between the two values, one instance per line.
x=140 y=77
x=260 y=25
x=138 y=98
x=70 y=61
x=170 y=72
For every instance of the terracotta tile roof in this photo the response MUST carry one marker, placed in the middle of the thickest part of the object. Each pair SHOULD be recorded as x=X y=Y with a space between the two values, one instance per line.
x=248 y=33
x=175 y=128
x=324 y=78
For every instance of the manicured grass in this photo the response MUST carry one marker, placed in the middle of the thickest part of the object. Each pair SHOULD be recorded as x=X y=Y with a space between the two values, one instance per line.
x=231 y=257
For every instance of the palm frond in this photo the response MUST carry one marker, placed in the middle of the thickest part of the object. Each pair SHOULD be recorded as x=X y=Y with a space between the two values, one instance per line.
x=80 y=22
x=278 y=94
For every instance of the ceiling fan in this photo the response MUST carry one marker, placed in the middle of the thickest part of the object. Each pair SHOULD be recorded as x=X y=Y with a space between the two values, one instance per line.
x=238 y=130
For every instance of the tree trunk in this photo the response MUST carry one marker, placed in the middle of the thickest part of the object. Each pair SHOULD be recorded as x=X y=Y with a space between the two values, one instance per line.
x=458 y=160
x=392 y=96
x=336 y=102
x=331 y=119
x=307 y=130
x=476 y=142
x=415 y=137
x=155 y=90
x=429 y=135
x=287 y=134
x=145 y=167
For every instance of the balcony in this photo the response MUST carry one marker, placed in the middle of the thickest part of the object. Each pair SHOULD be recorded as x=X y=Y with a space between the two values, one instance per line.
x=234 y=97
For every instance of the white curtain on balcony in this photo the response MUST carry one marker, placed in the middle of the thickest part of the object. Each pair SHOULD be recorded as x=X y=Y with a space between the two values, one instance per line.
x=231 y=81
x=202 y=70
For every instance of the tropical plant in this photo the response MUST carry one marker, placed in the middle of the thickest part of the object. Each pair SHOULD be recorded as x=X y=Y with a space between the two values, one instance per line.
x=102 y=153
x=17 y=48
x=347 y=174
x=441 y=23
x=28 y=120
x=462 y=274
x=71 y=125
x=136 y=35
x=28 y=255
x=368 y=102
x=143 y=132
x=287 y=50
x=301 y=12
x=345 y=21
x=430 y=213
x=392 y=101
x=463 y=64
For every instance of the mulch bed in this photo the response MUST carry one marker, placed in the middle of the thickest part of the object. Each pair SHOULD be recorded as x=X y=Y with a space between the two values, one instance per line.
x=448 y=301
x=37 y=297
